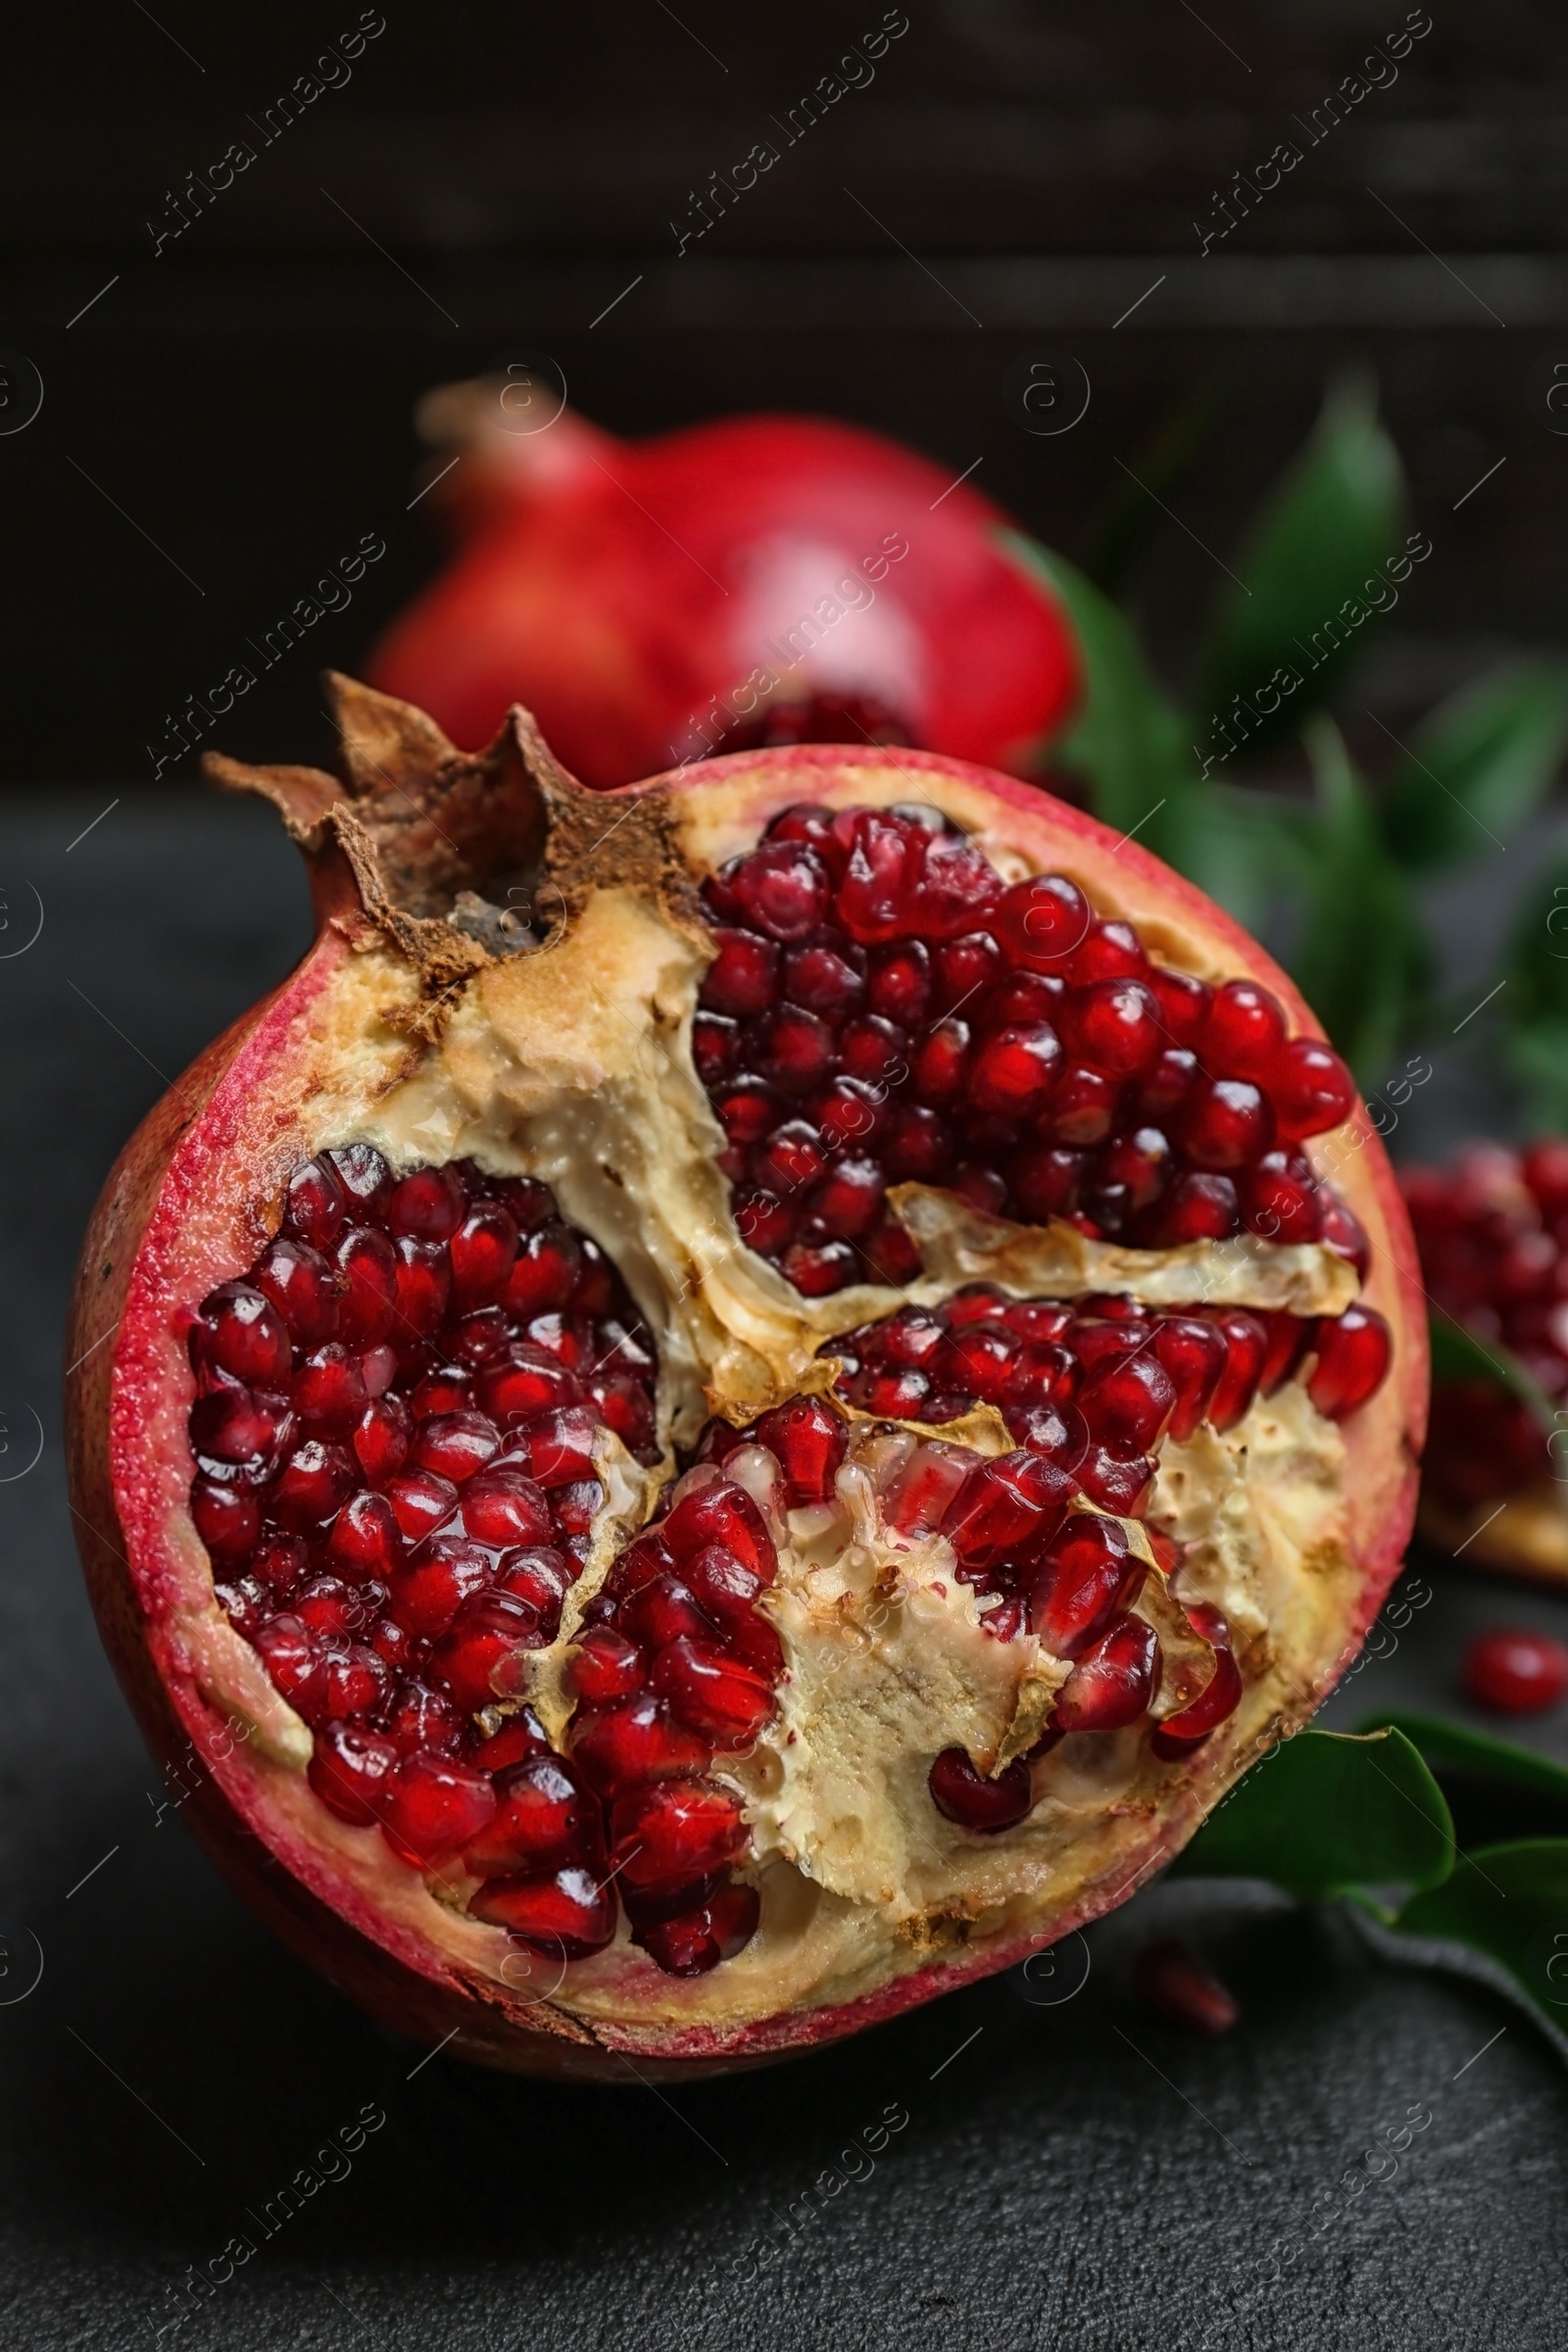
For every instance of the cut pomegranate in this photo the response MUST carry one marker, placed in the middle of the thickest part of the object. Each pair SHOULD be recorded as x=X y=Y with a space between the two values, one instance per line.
x=544 y=1575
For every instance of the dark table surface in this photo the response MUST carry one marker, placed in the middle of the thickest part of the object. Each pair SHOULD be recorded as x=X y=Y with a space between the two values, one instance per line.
x=1071 y=2173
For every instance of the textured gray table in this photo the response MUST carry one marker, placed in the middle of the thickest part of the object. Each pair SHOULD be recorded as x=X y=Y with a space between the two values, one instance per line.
x=1071 y=2175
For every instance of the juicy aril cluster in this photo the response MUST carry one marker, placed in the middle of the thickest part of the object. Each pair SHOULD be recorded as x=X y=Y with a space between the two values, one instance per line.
x=758 y=1456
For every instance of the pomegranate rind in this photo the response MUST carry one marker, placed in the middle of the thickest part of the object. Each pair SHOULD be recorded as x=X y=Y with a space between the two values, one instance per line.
x=179 y=1213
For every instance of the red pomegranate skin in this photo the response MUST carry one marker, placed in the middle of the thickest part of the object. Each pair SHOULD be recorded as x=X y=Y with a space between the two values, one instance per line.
x=637 y=595
x=162 y=1232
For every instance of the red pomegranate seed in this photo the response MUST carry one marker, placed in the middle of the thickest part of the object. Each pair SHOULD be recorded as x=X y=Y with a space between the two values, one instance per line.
x=314 y=1484
x=715 y=1043
x=453 y=1445
x=716 y=1695
x=1110 y=950
x=805 y=822
x=504 y=1506
x=427 y=1205
x=368 y=1265
x=1015 y=1070
x=1289 y=1337
x=899 y=983
x=742 y=978
x=850 y=1111
x=239 y=1436
x=961 y=1794
x=521 y=1735
x=1129 y=1403
x=541 y=1814
x=1183 y=1005
x=524 y=1382
x=965 y=967
x=808 y=1439
x=941 y=1062
x=874 y=894
x=489 y=1631
x=1128 y=1175
x=1044 y=1180
x=315 y=1204
x=243 y=1334
x=918 y=1146
x=354 y=1681
x=433 y=1806
x=606 y=1666
x=228 y=1519
x=726 y=1591
x=979 y=1360
x=1219 y=1698
x=1114 y=1026
x=1086 y=1574
x=541 y=1574
x=1244 y=1033
x=661 y=1610
x=328 y=1391
x=364 y=1177
x=690 y=1941
x=1246 y=1353
x=347 y=1771
x=1279 y=1199
x=1015 y=1500
x=303 y=1287
x=980 y=1188
x=874 y=1050
x=484 y=1248
x=448 y=1388
x=1171 y=1980
x=1084 y=1108
x=1194 y=1354
x=560 y=1446
x=1040 y=922
x=1197 y=1209
x=1116 y=1477
x=419 y=1718
x=440 y=1575
x=923 y=1493
x=673 y=1830
x=566 y=1912
x=421 y=1503
x=1352 y=1359
x=717 y=1511
x=423 y=1287
x=791 y=1158
x=546 y=1273
x=366 y=1540
x=1164 y=1083
x=782 y=888
x=1222 y=1123
x=1043 y=1375
x=637 y=1740
x=1341 y=1231
x=826 y=976
x=1310 y=1088
x=1114 y=1681
x=794 y=1049
x=748 y=1111
x=764 y=1222
x=1516 y=1673
x=896 y=1395
x=292 y=1657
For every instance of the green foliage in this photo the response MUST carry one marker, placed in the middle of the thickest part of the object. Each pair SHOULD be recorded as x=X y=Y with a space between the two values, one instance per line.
x=1325 y=1814
x=1338 y=515
x=1536 y=1001
x=1478 y=769
x=1511 y=1902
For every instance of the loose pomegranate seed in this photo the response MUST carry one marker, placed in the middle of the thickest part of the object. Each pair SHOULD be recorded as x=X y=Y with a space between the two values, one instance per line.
x=1516 y=1673
x=961 y=1794
x=348 y=1770
x=1113 y=1680
x=1171 y=1980
x=686 y=1938
x=673 y=1830
x=566 y=1912
x=1352 y=1357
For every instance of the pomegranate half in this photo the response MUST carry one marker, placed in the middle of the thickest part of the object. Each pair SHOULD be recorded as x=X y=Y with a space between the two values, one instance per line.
x=741 y=1402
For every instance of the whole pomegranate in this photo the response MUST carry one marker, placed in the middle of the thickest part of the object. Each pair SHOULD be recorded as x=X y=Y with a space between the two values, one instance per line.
x=738 y=1405
x=759 y=580
x=1493 y=1232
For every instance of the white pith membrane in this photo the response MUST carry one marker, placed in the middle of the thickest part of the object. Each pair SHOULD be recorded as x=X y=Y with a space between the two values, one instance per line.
x=572 y=1064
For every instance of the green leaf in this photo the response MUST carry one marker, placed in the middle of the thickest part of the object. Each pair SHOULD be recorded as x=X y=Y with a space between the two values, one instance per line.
x=1511 y=1902
x=1361 y=960
x=1457 y=1355
x=1537 y=1055
x=1534 y=1000
x=1457 y=1747
x=1312 y=568
x=1326 y=1814
x=1479 y=766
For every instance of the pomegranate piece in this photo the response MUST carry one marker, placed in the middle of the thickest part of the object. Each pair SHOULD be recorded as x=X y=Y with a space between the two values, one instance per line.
x=726 y=1700
x=674 y=1830
x=1352 y=1359
x=1114 y=1682
x=690 y=1930
x=566 y=1913
x=433 y=1806
x=1085 y=1575
x=543 y=1814
x=348 y=1770
x=1177 y=1985
x=1516 y=1673
x=962 y=1793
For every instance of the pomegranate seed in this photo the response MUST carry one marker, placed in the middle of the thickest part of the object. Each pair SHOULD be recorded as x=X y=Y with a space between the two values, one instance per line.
x=715 y=1043
x=671 y=1831
x=748 y=1111
x=961 y=1794
x=941 y=1062
x=1219 y=1698
x=303 y=1287
x=1279 y=1199
x=1341 y=1231
x=1113 y=1680
x=1015 y=1500
x=1247 y=1351
x=427 y=1205
x=1164 y=1083
x=1222 y=1123
x=546 y=1272
x=918 y=1147
x=717 y=1511
x=1171 y=1980
x=420 y=1719
x=1110 y=950
x=805 y=822
x=368 y=1265
x=313 y=1485
x=1288 y=1340
x=1039 y=923
x=524 y=1382
x=826 y=976
x=366 y=1540
x=742 y=978
x=1086 y=1574
x=347 y=1771
x=726 y=1591
x=896 y=1395
x=1015 y=1070
x=808 y=1439
x=964 y=967
x=504 y=1506
x=291 y=1653
x=453 y=1445
x=541 y=1574
x=661 y=1610
x=873 y=1049
x=1115 y=1026
x=1129 y=1403
x=1128 y=1175
x=923 y=1493
x=421 y=1503
x=448 y=1388
x=637 y=1740
x=1352 y=1359
x=1244 y=1033
x=521 y=1736
x=243 y=1334
x=489 y=1631
x=899 y=983
x=690 y=1941
x=443 y=1572
x=228 y=1519
x=1183 y=1005
x=873 y=897
x=979 y=1360
x=718 y=1695
x=791 y=1158
x=782 y=888
x=423 y=1286
x=1044 y=1180
x=606 y=1666
x=354 y=1683
x=485 y=1250
x=315 y=1204
x=1197 y=1209
x=764 y=1222
x=1116 y=1477
x=364 y=1177
x=566 y=1912
x=238 y=1435
x=433 y=1806
x=794 y=1049
x=1043 y=1375
x=1310 y=1088
x=1194 y=1354
x=328 y=1391
x=541 y=1814
x=1516 y=1673
x=560 y=1446
x=1084 y=1107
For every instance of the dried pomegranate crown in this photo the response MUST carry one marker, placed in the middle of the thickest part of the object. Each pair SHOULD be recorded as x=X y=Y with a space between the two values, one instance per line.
x=743 y=1399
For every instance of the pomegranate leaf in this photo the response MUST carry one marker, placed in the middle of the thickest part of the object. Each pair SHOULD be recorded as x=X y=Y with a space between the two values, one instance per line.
x=1536 y=1000
x=1476 y=767
x=1455 y=1747
x=1330 y=1813
x=1511 y=1902
x=1311 y=574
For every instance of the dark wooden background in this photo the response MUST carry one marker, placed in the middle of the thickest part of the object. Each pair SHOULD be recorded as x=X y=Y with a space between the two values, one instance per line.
x=244 y=398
